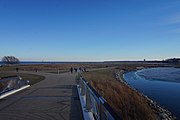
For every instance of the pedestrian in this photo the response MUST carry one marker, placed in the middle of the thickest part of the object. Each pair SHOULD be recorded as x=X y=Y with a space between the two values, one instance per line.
x=75 y=70
x=36 y=70
x=80 y=69
x=71 y=70
x=17 y=69
x=85 y=70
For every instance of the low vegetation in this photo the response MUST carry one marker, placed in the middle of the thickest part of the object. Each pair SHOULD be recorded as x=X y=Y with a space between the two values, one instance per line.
x=31 y=77
x=127 y=103
x=57 y=71
x=50 y=67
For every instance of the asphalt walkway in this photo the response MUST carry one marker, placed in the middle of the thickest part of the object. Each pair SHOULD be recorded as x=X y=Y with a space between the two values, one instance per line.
x=54 y=98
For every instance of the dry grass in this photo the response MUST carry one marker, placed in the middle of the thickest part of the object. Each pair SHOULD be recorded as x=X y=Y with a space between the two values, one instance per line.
x=126 y=102
x=50 y=67
x=31 y=77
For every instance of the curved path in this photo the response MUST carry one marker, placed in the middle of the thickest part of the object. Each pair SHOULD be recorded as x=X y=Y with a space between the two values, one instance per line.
x=54 y=98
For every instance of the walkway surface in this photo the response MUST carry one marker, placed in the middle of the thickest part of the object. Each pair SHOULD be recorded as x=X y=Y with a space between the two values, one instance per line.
x=54 y=98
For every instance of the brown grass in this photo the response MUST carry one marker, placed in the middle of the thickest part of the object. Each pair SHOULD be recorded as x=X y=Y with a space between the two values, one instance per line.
x=31 y=77
x=126 y=102
x=47 y=67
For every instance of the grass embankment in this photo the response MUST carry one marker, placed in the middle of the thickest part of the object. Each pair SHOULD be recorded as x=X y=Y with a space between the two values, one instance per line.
x=127 y=103
x=31 y=77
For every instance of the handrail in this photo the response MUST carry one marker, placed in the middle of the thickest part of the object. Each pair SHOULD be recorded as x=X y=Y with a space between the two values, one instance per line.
x=95 y=103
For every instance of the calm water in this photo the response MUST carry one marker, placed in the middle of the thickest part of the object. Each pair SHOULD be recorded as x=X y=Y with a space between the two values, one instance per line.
x=160 y=84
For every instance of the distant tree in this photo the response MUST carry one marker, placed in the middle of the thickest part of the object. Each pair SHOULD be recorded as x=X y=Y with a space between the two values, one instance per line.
x=173 y=60
x=10 y=60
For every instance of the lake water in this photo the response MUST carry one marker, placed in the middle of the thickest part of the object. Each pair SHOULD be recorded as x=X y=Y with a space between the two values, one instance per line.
x=160 y=84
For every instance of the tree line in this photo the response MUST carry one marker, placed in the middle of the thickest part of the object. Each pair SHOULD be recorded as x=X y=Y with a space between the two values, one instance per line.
x=10 y=60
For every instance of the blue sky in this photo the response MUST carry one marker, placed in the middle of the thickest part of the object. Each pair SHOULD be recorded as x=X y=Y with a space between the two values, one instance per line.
x=90 y=30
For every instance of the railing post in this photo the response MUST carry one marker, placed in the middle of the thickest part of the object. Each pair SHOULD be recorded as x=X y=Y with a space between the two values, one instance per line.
x=78 y=77
x=95 y=103
x=80 y=84
x=82 y=88
x=100 y=109
x=88 y=100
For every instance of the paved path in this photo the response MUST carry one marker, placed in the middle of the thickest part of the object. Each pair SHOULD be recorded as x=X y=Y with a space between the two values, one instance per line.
x=54 y=98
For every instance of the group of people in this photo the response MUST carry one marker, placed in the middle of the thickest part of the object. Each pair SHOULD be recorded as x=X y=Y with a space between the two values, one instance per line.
x=80 y=69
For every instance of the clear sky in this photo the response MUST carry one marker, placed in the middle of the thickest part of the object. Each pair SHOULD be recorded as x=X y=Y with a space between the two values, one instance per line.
x=90 y=30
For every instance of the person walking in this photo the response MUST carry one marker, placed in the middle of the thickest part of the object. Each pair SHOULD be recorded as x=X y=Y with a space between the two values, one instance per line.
x=75 y=69
x=80 y=69
x=71 y=70
x=17 y=69
x=85 y=70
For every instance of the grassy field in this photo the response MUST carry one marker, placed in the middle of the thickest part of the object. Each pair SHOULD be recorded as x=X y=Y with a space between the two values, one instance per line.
x=31 y=77
x=126 y=102
x=56 y=71
x=50 y=67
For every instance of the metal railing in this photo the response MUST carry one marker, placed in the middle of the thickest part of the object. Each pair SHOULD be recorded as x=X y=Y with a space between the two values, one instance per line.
x=95 y=103
x=11 y=83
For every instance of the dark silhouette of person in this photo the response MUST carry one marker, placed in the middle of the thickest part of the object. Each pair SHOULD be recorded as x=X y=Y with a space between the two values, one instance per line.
x=17 y=69
x=80 y=69
x=71 y=70
x=75 y=69
x=85 y=70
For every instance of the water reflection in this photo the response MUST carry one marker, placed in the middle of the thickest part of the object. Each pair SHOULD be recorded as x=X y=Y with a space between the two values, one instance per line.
x=160 y=84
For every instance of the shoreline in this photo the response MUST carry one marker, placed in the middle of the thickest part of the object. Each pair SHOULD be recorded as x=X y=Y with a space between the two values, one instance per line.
x=161 y=111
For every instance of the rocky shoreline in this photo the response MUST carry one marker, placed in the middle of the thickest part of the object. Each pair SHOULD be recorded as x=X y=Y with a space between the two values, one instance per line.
x=162 y=113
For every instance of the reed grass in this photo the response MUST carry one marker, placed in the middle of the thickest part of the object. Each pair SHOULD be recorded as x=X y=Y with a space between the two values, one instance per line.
x=127 y=103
